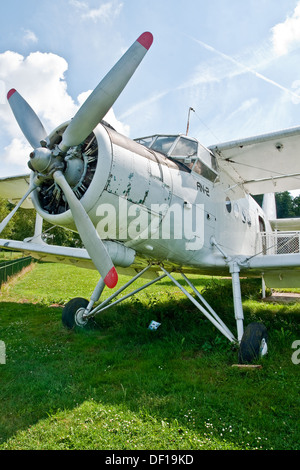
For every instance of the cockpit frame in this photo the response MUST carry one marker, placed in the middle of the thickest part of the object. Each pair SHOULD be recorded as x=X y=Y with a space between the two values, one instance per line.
x=186 y=150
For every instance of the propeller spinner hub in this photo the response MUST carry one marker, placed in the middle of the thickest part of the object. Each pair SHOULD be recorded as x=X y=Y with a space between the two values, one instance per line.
x=40 y=159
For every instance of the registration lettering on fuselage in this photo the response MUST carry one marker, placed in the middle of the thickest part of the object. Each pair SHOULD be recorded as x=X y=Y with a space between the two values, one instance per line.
x=203 y=189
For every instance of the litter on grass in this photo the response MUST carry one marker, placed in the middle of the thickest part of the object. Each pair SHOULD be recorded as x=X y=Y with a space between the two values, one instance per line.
x=154 y=325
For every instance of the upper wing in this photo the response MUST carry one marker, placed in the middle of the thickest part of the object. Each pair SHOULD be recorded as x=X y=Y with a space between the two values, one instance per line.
x=263 y=164
x=13 y=189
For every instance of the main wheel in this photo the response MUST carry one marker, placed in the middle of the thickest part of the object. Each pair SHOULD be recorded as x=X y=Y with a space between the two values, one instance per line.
x=72 y=314
x=254 y=343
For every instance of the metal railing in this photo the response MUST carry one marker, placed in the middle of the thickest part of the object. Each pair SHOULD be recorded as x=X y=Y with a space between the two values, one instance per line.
x=278 y=243
x=12 y=267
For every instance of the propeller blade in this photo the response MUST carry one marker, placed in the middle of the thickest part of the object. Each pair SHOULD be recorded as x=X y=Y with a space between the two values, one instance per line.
x=27 y=119
x=105 y=94
x=88 y=234
x=5 y=221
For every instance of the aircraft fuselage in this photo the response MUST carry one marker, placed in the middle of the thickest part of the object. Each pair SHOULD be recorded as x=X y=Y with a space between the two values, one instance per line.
x=161 y=207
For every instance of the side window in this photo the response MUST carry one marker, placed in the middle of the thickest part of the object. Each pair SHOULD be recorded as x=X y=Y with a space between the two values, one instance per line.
x=203 y=170
x=228 y=205
x=214 y=163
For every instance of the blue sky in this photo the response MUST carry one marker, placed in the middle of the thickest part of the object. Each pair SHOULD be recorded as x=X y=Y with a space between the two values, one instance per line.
x=236 y=62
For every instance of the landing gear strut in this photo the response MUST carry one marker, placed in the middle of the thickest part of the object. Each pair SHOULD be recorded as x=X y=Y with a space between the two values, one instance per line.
x=252 y=342
x=78 y=311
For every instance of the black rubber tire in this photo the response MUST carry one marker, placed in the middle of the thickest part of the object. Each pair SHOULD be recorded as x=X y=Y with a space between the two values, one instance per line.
x=250 y=347
x=68 y=314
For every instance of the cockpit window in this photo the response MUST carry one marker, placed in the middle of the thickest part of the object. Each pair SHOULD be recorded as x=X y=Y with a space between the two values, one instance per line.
x=185 y=148
x=186 y=151
x=163 y=144
x=147 y=141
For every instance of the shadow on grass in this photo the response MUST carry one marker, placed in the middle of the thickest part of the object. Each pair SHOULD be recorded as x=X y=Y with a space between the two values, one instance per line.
x=182 y=371
x=119 y=360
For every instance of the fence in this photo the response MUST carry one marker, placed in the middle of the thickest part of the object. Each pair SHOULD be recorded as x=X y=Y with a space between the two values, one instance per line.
x=276 y=243
x=9 y=268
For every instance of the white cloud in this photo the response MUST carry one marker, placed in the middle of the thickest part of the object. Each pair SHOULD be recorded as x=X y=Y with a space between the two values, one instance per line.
x=286 y=35
x=9 y=63
x=29 y=37
x=110 y=116
x=17 y=152
x=296 y=86
x=78 y=4
x=116 y=124
x=243 y=68
x=40 y=79
x=142 y=105
x=244 y=107
x=2 y=92
x=105 y=12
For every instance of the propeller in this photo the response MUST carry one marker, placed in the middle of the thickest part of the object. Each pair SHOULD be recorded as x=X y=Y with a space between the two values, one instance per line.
x=50 y=163
x=105 y=94
x=28 y=121
x=89 y=236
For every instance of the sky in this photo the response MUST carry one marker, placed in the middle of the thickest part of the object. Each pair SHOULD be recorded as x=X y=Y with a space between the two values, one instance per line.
x=235 y=62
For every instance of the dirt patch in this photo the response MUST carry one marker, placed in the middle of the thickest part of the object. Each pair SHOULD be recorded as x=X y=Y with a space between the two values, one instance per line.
x=283 y=297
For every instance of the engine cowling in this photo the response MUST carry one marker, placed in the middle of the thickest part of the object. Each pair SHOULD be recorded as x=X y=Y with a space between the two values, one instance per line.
x=113 y=177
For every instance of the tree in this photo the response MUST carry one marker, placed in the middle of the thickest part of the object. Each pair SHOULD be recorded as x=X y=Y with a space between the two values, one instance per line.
x=297 y=206
x=286 y=205
x=22 y=225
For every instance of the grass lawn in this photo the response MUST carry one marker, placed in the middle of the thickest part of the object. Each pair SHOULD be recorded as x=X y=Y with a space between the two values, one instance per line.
x=119 y=385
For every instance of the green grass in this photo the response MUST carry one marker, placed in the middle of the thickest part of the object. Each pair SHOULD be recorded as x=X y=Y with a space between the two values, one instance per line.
x=119 y=385
x=9 y=255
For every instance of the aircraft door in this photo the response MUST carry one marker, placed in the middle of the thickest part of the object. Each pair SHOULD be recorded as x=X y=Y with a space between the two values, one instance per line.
x=262 y=231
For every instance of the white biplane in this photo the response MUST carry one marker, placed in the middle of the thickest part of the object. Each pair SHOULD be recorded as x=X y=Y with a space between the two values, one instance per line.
x=157 y=205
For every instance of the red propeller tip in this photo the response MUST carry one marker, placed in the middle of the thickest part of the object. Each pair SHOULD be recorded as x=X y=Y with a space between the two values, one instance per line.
x=146 y=40
x=111 y=278
x=10 y=93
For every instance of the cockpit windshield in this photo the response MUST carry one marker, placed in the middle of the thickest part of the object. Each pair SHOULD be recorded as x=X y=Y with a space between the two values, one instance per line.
x=160 y=143
x=186 y=150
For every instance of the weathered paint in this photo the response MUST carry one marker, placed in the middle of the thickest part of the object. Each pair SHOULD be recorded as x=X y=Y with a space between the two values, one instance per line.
x=135 y=181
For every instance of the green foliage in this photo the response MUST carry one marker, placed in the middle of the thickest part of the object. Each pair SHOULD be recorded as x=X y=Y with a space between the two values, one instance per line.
x=287 y=206
x=119 y=385
x=22 y=225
